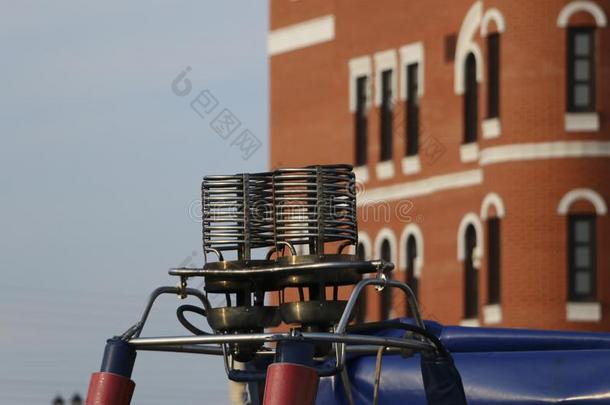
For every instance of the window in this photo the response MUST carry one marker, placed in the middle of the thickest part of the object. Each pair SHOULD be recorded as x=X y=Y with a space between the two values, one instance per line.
x=471 y=283
x=361 y=303
x=471 y=100
x=493 y=271
x=412 y=109
x=386 y=293
x=493 y=74
x=386 y=115
x=581 y=69
x=581 y=258
x=361 y=121
x=412 y=280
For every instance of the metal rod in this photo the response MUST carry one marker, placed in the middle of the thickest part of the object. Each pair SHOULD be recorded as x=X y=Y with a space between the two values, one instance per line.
x=168 y=290
x=277 y=337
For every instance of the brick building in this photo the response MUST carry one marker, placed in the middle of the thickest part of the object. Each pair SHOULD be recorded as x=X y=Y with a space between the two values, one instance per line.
x=480 y=132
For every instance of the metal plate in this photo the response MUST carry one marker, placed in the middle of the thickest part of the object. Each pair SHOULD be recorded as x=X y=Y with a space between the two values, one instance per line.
x=326 y=278
x=243 y=318
x=312 y=312
x=237 y=264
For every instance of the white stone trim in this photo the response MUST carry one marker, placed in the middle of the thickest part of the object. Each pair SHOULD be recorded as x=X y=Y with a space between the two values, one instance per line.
x=470 y=219
x=362 y=174
x=410 y=54
x=427 y=186
x=364 y=238
x=581 y=122
x=384 y=170
x=465 y=45
x=491 y=128
x=495 y=200
x=385 y=60
x=582 y=194
x=301 y=35
x=411 y=164
x=359 y=67
x=470 y=323
x=493 y=14
x=544 y=150
x=415 y=230
x=575 y=6
x=469 y=152
x=492 y=314
x=386 y=233
x=584 y=311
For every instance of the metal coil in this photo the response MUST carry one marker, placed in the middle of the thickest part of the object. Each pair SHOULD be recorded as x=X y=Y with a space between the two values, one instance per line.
x=235 y=213
x=315 y=205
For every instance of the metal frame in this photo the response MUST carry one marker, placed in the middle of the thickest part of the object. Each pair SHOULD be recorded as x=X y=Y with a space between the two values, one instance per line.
x=361 y=344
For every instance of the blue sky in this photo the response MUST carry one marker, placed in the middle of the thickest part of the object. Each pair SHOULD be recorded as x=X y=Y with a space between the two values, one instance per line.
x=100 y=166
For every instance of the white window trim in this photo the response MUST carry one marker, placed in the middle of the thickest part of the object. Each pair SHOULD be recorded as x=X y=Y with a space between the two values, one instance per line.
x=584 y=311
x=492 y=314
x=581 y=121
x=590 y=7
x=493 y=14
x=491 y=128
x=415 y=231
x=362 y=174
x=470 y=219
x=544 y=150
x=417 y=188
x=386 y=233
x=411 y=54
x=301 y=35
x=359 y=67
x=385 y=60
x=582 y=194
x=469 y=152
x=411 y=164
x=364 y=238
x=385 y=169
x=470 y=323
x=465 y=45
x=492 y=199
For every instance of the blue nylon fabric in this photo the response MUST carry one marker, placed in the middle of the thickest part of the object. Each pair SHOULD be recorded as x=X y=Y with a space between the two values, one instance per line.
x=497 y=366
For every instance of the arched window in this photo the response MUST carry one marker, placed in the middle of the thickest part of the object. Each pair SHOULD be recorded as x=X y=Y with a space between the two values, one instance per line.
x=471 y=282
x=362 y=299
x=492 y=25
x=581 y=69
x=582 y=20
x=492 y=211
x=582 y=242
x=386 y=294
x=471 y=100
x=493 y=260
x=493 y=75
x=412 y=279
x=582 y=262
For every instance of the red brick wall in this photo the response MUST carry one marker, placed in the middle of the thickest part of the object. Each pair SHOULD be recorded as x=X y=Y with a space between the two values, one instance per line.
x=311 y=123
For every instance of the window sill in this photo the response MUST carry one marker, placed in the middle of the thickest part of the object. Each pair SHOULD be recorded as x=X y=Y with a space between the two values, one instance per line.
x=492 y=128
x=411 y=165
x=361 y=173
x=492 y=314
x=471 y=323
x=582 y=122
x=469 y=152
x=384 y=170
x=584 y=311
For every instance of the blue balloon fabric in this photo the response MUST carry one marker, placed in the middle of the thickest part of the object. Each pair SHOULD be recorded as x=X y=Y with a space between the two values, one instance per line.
x=497 y=367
